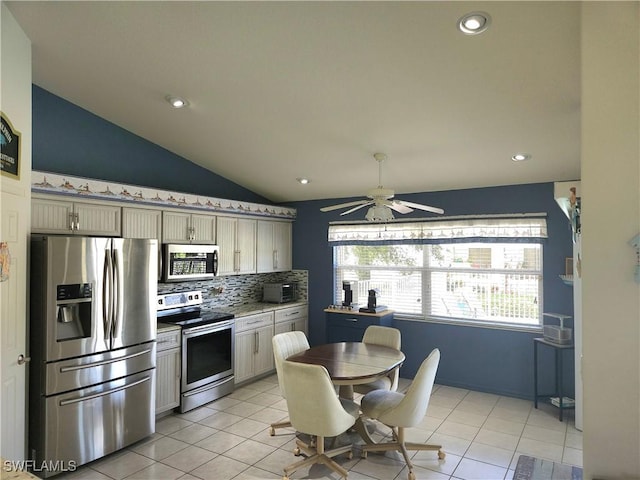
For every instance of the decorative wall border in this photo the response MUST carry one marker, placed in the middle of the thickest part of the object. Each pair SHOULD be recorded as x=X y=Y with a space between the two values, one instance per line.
x=53 y=183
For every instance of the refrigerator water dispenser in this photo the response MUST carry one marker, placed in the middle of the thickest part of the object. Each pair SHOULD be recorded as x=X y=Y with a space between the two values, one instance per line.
x=73 y=311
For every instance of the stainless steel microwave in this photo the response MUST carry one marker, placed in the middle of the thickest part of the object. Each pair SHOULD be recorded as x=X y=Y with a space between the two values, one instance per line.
x=280 y=292
x=182 y=263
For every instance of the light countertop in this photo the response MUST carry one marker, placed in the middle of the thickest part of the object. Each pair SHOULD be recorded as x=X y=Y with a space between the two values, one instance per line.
x=240 y=311
x=260 y=307
x=357 y=312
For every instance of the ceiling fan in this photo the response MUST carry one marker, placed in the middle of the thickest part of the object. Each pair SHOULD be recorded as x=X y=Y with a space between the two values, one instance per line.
x=381 y=201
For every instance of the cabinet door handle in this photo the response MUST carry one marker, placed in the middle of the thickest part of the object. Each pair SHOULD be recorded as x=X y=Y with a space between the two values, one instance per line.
x=77 y=221
x=354 y=320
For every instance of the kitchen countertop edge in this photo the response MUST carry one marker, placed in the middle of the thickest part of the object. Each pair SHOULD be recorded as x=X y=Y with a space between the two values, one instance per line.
x=260 y=307
x=167 y=327
x=241 y=311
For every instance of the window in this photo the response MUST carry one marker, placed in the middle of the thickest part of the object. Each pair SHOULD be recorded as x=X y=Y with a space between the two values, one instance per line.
x=490 y=280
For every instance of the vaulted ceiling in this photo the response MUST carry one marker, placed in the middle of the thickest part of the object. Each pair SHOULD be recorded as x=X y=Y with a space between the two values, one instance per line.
x=281 y=90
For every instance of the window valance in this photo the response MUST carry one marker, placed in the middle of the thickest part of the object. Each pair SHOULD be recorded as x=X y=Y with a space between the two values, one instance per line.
x=528 y=228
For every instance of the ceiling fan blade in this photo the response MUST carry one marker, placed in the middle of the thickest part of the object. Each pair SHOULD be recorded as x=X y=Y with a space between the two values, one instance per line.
x=418 y=206
x=351 y=210
x=398 y=207
x=343 y=205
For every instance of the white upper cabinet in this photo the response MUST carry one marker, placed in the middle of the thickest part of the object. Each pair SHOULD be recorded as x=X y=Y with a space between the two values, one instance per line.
x=236 y=238
x=178 y=227
x=273 y=246
x=74 y=218
x=141 y=223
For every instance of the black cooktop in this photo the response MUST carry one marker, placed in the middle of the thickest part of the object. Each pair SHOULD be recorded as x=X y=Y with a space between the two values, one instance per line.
x=193 y=317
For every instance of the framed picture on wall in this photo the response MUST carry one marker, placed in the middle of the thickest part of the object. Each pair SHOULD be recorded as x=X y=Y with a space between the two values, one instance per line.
x=9 y=148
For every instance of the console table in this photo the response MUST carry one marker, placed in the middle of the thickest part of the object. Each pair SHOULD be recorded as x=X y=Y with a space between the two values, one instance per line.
x=558 y=351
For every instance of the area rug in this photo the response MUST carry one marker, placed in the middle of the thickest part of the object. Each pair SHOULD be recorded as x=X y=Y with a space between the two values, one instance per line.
x=531 y=468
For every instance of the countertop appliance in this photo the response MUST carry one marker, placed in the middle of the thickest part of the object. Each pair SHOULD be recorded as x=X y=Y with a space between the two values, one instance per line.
x=282 y=292
x=372 y=303
x=181 y=263
x=92 y=347
x=208 y=344
x=347 y=287
x=557 y=333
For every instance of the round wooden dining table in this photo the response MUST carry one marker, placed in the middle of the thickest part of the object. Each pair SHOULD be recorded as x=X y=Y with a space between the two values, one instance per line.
x=352 y=363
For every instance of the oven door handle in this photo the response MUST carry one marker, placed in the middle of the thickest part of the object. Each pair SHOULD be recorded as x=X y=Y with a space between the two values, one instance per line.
x=194 y=331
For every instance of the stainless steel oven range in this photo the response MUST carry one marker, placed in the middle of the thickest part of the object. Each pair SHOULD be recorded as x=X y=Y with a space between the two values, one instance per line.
x=207 y=348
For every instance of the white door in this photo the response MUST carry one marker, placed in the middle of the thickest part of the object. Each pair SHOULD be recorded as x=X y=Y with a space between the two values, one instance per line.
x=13 y=322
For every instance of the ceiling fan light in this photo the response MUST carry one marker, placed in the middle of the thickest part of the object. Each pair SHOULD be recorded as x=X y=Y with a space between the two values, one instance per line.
x=379 y=213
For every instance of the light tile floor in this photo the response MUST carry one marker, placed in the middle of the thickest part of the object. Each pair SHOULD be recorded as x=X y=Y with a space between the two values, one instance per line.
x=482 y=434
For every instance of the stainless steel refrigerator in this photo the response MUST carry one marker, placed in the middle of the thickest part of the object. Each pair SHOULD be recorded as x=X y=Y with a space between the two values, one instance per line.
x=92 y=338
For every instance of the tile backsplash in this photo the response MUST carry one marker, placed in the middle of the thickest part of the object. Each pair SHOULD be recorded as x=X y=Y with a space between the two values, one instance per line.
x=235 y=290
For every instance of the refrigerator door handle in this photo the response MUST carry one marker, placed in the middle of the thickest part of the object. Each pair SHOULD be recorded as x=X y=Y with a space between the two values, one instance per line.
x=102 y=394
x=116 y=295
x=106 y=296
x=103 y=362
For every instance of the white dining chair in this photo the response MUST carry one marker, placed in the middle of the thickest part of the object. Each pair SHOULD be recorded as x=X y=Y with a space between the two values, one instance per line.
x=315 y=409
x=399 y=411
x=387 y=337
x=284 y=345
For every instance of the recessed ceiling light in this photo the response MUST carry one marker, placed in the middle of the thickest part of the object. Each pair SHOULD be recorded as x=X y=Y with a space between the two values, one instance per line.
x=520 y=157
x=176 y=102
x=303 y=180
x=474 y=23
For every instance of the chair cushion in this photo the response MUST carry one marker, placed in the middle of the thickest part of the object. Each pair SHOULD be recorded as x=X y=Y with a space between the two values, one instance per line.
x=375 y=404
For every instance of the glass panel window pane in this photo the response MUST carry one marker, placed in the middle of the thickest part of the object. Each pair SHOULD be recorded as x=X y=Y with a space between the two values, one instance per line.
x=491 y=282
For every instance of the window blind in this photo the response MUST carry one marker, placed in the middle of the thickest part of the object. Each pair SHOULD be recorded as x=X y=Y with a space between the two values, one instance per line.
x=523 y=228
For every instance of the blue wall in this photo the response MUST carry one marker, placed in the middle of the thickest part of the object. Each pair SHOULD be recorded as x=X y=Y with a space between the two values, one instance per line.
x=70 y=140
x=490 y=360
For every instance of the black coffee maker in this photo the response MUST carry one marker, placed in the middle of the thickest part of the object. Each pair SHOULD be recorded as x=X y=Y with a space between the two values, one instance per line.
x=348 y=294
x=372 y=303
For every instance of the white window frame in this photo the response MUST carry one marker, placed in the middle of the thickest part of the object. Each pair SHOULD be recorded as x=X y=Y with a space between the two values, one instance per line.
x=529 y=228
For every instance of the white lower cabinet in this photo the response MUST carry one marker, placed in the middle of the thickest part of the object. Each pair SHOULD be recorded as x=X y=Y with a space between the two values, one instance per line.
x=253 y=348
x=168 y=370
x=291 y=319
